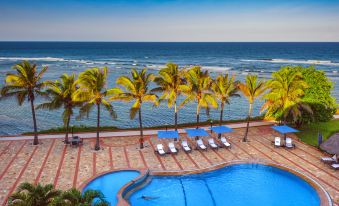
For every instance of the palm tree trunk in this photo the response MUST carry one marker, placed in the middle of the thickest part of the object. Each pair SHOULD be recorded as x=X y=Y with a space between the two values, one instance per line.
x=35 y=141
x=221 y=115
x=175 y=116
x=67 y=129
x=141 y=140
x=97 y=144
x=248 y=122
x=198 y=115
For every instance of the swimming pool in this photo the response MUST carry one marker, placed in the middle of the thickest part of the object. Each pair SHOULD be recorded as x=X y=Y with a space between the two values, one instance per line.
x=236 y=185
x=109 y=184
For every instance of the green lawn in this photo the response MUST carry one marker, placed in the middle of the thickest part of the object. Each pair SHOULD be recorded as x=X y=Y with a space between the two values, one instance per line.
x=309 y=132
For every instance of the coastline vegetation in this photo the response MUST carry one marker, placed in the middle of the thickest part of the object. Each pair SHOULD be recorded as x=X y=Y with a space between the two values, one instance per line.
x=295 y=95
x=46 y=195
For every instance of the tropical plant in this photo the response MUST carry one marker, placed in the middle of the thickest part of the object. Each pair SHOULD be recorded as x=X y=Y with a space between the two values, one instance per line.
x=61 y=95
x=198 y=89
x=92 y=92
x=25 y=83
x=224 y=88
x=136 y=89
x=32 y=195
x=170 y=81
x=73 y=197
x=318 y=95
x=284 y=98
x=251 y=89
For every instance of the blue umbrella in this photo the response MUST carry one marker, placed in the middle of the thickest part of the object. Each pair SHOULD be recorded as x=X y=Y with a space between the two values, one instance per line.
x=221 y=129
x=196 y=132
x=168 y=134
x=284 y=129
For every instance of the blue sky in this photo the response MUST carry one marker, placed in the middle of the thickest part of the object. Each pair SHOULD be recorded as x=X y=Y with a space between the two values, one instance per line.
x=169 y=20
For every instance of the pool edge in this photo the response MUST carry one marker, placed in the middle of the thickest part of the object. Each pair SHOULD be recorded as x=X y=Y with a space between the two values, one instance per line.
x=325 y=199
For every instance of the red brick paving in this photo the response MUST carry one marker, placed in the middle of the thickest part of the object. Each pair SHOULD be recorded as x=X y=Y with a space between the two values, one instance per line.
x=53 y=162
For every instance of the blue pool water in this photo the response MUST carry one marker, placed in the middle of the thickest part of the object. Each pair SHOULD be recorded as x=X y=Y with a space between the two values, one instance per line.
x=237 y=185
x=109 y=184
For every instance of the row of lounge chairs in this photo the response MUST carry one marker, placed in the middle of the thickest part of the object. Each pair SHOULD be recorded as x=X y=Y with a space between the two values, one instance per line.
x=187 y=148
x=288 y=142
x=332 y=161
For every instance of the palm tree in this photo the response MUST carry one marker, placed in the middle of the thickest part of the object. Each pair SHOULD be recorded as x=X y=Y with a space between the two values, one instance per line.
x=92 y=92
x=170 y=81
x=61 y=93
x=136 y=89
x=198 y=89
x=26 y=83
x=285 y=95
x=73 y=197
x=31 y=195
x=224 y=87
x=251 y=89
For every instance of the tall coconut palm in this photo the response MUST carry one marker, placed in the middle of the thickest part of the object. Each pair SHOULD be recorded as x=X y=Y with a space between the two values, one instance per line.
x=284 y=98
x=25 y=83
x=61 y=95
x=170 y=81
x=224 y=88
x=198 y=90
x=251 y=89
x=73 y=197
x=31 y=195
x=92 y=92
x=136 y=89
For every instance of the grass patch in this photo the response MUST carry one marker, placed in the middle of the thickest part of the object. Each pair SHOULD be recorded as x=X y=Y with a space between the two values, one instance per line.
x=83 y=128
x=309 y=132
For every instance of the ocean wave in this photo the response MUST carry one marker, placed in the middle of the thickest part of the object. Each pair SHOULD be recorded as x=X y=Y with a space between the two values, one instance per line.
x=216 y=68
x=55 y=59
x=284 y=61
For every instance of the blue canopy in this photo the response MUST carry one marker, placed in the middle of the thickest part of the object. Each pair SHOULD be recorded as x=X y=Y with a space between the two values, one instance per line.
x=196 y=132
x=168 y=134
x=284 y=129
x=221 y=129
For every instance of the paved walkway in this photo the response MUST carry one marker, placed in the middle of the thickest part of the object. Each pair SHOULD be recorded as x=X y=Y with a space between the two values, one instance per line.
x=124 y=133
x=66 y=167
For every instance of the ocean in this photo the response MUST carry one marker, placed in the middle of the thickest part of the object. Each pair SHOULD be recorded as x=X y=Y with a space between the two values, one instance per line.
x=235 y=58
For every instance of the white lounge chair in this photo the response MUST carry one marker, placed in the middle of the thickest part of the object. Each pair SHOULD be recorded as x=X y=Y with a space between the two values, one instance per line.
x=185 y=146
x=277 y=142
x=172 y=148
x=288 y=143
x=329 y=159
x=225 y=142
x=160 y=149
x=201 y=144
x=212 y=143
x=335 y=166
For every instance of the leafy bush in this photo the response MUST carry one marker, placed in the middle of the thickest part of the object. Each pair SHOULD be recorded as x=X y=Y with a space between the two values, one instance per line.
x=318 y=95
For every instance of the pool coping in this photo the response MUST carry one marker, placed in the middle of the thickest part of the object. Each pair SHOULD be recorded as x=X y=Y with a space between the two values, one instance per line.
x=325 y=199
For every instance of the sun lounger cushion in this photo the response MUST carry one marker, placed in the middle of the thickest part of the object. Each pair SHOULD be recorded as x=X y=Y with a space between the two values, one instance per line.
x=211 y=143
x=329 y=159
x=335 y=166
x=289 y=142
x=160 y=149
x=277 y=142
x=185 y=146
x=172 y=147
x=201 y=144
x=224 y=141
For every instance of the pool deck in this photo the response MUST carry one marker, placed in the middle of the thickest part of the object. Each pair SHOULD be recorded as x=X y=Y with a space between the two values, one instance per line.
x=66 y=167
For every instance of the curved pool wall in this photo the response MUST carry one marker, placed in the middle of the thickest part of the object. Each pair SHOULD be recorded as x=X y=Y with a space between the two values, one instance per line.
x=110 y=183
x=237 y=184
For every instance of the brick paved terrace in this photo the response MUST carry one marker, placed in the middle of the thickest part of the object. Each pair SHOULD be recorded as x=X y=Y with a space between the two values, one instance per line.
x=54 y=162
